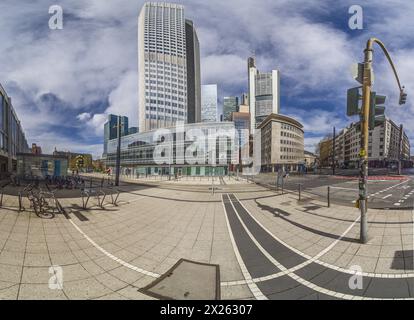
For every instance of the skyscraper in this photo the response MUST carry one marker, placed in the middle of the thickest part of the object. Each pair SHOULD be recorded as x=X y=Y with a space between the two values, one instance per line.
x=230 y=105
x=169 y=67
x=111 y=129
x=264 y=93
x=209 y=103
x=244 y=104
x=193 y=74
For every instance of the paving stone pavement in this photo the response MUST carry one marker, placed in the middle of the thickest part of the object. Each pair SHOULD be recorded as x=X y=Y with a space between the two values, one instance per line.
x=112 y=252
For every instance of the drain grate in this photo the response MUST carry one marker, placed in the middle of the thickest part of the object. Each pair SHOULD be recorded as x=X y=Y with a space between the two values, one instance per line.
x=187 y=280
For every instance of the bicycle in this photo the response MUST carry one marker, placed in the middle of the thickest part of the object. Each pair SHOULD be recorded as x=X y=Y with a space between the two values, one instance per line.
x=40 y=205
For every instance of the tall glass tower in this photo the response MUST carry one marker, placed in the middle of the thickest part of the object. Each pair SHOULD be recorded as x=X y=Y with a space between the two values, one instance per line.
x=169 y=68
x=209 y=103
x=264 y=93
x=230 y=105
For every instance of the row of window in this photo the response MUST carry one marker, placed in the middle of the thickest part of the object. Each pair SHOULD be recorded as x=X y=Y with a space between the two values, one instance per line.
x=292 y=150
x=173 y=91
x=284 y=157
x=290 y=142
x=155 y=117
x=181 y=113
x=155 y=75
x=166 y=96
x=291 y=128
x=166 y=103
x=289 y=135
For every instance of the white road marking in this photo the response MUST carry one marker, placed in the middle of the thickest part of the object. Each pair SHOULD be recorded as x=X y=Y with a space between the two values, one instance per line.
x=295 y=277
x=390 y=195
x=120 y=261
x=246 y=274
x=365 y=274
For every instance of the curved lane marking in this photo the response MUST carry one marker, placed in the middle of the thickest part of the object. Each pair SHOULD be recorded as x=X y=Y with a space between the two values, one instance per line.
x=325 y=264
x=246 y=274
x=304 y=282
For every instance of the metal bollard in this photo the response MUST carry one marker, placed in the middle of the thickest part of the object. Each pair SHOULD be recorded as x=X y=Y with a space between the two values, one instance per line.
x=20 y=201
x=300 y=191
x=329 y=196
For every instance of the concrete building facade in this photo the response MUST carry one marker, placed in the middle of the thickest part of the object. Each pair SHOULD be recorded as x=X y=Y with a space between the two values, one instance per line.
x=282 y=140
x=383 y=147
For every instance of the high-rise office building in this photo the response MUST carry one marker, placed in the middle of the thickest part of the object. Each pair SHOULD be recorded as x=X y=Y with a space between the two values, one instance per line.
x=193 y=74
x=230 y=105
x=169 y=67
x=111 y=129
x=209 y=103
x=264 y=93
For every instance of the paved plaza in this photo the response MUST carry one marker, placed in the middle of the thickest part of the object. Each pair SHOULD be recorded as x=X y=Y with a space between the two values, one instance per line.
x=266 y=245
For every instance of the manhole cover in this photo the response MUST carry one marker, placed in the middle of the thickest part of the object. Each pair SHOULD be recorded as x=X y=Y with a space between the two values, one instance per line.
x=187 y=280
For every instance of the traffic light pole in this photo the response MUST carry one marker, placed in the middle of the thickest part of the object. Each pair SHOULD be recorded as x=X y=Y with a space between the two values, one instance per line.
x=366 y=97
x=363 y=161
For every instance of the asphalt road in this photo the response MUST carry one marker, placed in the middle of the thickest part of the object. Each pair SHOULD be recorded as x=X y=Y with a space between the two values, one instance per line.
x=387 y=192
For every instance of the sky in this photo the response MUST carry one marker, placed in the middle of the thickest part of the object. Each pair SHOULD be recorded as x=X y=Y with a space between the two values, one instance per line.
x=64 y=83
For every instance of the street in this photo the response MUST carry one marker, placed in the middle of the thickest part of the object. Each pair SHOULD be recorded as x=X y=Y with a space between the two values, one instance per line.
x=385 y=192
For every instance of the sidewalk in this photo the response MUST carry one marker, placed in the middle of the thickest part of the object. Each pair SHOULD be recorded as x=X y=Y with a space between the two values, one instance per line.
x=112 y=252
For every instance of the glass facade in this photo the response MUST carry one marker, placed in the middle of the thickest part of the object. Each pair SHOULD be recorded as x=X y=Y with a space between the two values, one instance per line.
x=209 y=103
x=41 y=165
x=264 y=96
x=230 y=105
x=111 y=128
x=12 y=138
x=193 y=149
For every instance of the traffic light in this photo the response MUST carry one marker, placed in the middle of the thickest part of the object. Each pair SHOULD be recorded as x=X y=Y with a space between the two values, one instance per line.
x=403 y=97
x=376 y=110
x=352 y=101
x=358 y=72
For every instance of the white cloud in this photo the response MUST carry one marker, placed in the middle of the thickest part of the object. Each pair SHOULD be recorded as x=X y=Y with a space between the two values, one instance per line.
x=93 y=60
x=84 y=116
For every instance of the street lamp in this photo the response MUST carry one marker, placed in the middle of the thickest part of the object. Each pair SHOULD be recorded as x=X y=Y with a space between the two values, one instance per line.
x=365 y=116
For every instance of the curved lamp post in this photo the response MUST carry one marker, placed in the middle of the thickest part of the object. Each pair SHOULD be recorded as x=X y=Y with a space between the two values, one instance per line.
x=366 y=98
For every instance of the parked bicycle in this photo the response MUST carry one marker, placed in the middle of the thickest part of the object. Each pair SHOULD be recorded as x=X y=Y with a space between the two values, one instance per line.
x=40 y=201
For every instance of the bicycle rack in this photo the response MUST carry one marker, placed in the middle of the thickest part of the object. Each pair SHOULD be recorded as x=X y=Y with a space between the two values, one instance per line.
x=84 y=194
x=114 y=201
x=100 y=195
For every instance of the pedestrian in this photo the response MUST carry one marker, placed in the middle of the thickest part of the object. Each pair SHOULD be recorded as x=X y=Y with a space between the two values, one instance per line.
x=286 y=175
x=280 y=175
